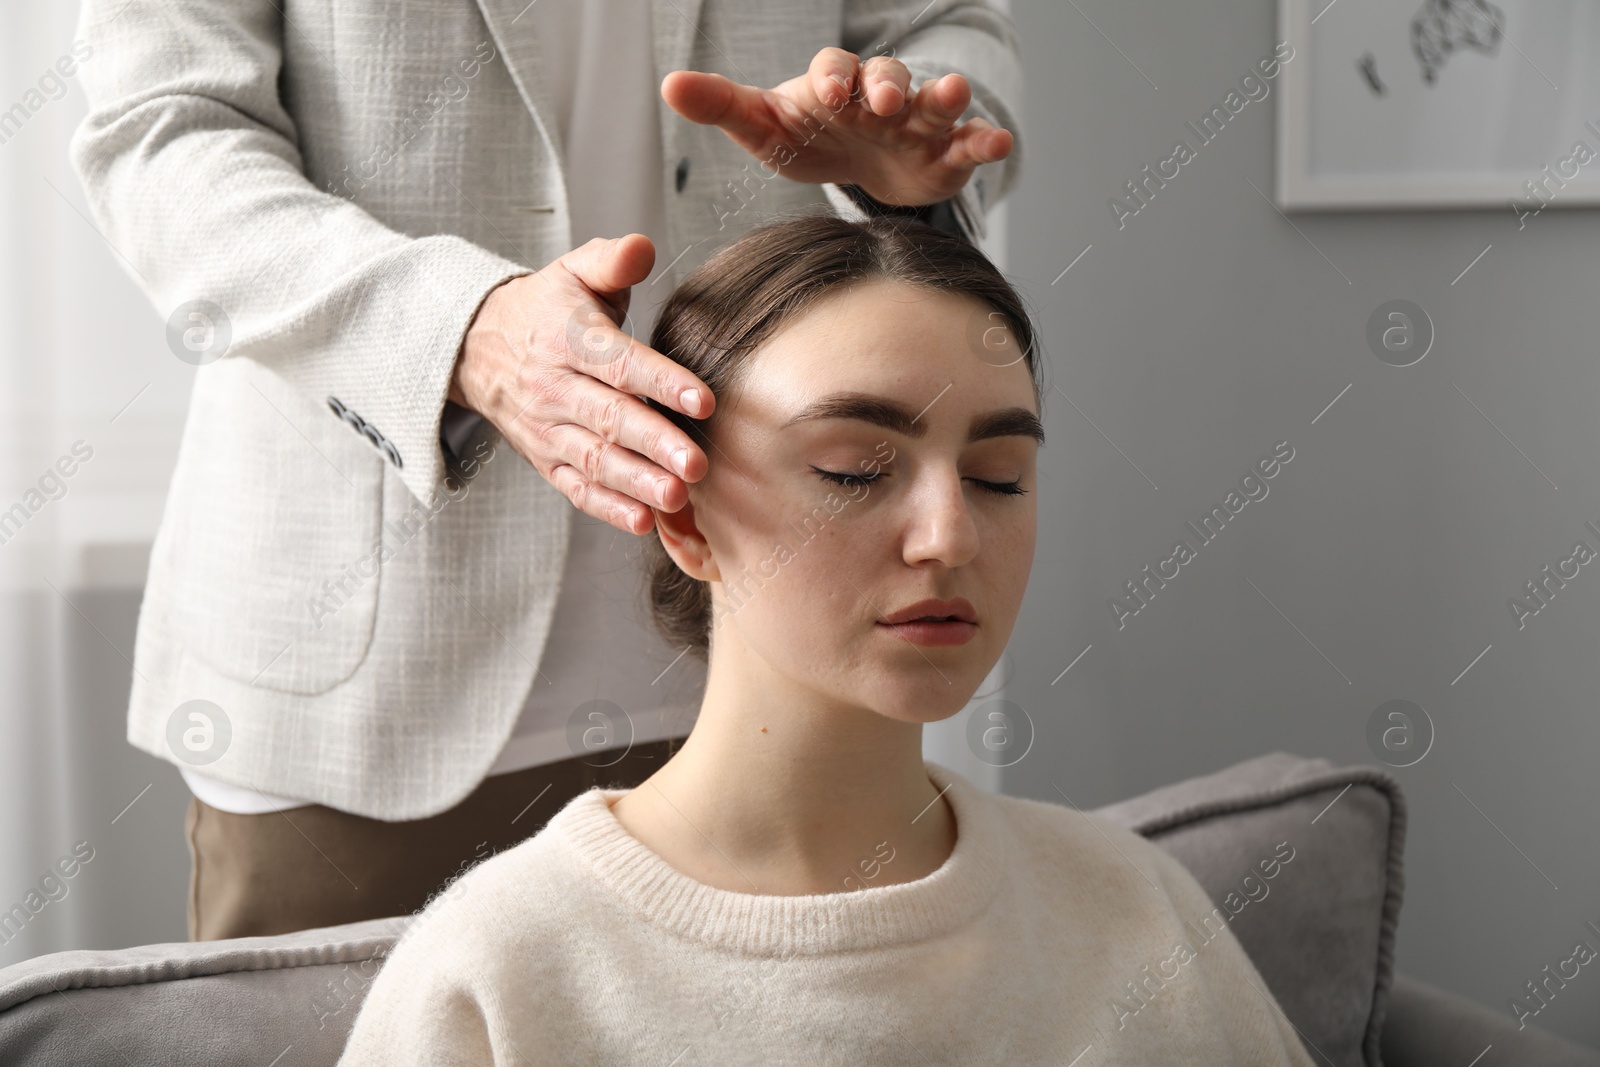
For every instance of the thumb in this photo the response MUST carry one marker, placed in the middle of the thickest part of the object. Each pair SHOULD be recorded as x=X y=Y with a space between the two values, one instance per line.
x=610 y=265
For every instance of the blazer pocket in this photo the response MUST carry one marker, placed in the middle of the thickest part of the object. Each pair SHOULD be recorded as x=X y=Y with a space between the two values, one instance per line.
x=267 y=564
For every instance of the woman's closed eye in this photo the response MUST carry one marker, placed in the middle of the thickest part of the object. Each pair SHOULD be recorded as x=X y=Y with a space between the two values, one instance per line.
x=999 y=488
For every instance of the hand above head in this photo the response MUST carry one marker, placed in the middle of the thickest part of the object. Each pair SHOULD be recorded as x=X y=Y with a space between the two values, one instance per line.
x=860 y=130
x=546 y=363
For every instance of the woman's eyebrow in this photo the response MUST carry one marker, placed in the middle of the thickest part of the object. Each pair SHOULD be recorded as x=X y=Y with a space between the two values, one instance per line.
x=893 y=415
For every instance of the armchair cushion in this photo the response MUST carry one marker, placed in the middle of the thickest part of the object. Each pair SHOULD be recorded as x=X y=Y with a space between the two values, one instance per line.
x=1320 y=924
x=1428 y=1027
x=243 y=1000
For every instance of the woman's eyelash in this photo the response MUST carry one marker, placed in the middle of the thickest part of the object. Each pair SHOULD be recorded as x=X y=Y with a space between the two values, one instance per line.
x=999 y=488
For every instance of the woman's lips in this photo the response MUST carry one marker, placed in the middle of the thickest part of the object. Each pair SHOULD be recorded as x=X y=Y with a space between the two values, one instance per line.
x=932 y=633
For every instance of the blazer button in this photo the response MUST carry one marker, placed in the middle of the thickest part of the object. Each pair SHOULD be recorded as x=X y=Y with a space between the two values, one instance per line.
x=683 y=172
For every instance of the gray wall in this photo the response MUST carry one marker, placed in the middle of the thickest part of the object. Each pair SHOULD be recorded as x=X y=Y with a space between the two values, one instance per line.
x=1196 y=338
x=85 y=783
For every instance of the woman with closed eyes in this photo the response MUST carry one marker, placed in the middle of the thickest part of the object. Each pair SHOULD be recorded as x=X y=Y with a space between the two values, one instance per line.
x=797 y=885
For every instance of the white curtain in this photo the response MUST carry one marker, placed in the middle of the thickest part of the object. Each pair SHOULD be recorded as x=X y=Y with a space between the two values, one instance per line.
x=83 y=361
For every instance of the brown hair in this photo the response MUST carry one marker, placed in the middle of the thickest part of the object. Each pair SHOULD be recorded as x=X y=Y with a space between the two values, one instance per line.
x=745 y=293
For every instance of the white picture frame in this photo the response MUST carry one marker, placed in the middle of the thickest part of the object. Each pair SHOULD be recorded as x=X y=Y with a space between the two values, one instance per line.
x=1360 y=127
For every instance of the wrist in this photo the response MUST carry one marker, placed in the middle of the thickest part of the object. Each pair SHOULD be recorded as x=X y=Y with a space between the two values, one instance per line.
x=941 y=214
x=873 y=205
x=484 y=328
x=454 y=393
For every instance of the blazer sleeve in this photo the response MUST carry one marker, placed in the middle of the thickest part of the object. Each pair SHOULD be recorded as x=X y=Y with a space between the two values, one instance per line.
x=968 y=37
x=941 y=215
x=192 y=172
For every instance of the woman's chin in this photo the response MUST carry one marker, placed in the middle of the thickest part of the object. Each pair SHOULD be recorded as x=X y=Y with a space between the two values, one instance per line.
x=931 y=707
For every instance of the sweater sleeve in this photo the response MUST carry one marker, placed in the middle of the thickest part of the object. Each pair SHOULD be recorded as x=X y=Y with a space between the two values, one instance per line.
x=1259 y=1030
x=423 y=1010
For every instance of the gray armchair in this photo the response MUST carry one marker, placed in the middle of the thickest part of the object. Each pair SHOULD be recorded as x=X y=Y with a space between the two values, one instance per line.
x=1302 y=859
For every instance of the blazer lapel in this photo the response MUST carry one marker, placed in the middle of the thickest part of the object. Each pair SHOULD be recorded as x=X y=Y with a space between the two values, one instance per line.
x=674 y=28
x=512 y=27
x=674 y=25
x=673 y=31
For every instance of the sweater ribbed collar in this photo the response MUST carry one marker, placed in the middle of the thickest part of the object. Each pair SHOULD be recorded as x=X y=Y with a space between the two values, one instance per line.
x=764 y=925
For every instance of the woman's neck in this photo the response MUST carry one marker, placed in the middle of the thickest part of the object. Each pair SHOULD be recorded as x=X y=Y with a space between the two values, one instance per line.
x=774 y=795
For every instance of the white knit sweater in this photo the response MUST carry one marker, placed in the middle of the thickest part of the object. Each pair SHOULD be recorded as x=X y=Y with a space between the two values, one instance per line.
x=1047 y=936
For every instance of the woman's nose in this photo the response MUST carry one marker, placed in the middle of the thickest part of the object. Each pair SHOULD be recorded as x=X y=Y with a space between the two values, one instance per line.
x=941 y=524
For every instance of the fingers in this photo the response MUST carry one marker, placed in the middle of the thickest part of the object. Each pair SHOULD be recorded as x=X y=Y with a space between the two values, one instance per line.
x=886 y=84
x=595 y=346
x=714 y=100
x=939 y=104
x=599 y=445
x=621 y=418
x=941 y=101
x=637 y=483
x=837 y=75
x=627 y=515
x=545 y=362
x=976 y=142
x=609 y=265
x=832 y=74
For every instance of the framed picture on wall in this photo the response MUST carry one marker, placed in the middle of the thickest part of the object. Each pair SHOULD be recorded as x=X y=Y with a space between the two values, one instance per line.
x=1439 y=103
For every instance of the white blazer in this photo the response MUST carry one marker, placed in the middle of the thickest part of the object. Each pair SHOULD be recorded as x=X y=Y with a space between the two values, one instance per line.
x=311 y=168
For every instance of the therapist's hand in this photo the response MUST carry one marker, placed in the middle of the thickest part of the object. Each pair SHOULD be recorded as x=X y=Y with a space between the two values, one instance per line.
x=863 y=129
x=544 y=361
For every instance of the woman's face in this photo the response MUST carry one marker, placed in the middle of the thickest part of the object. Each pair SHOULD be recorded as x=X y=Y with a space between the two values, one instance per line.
x=844 y=486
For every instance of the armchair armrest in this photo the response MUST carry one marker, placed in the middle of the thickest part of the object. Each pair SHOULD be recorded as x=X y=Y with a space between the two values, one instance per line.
x=1428 y=1026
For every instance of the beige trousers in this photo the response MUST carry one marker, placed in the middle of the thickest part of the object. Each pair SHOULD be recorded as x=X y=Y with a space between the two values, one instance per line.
x=316 y=866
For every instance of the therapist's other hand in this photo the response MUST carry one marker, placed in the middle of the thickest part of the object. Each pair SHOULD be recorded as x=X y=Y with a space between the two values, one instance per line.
x=546 y=363
x=904 y=152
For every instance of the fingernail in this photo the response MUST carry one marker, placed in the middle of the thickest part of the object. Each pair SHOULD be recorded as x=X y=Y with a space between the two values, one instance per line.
x=691 y=400
x=680 y=461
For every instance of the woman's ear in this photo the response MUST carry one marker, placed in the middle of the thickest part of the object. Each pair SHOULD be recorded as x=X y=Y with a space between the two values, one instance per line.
x=681 y=537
